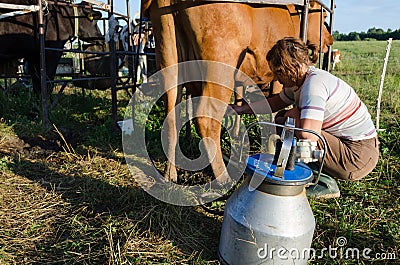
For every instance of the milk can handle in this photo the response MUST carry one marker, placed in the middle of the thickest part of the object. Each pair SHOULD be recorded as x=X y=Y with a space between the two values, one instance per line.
x=288 y=128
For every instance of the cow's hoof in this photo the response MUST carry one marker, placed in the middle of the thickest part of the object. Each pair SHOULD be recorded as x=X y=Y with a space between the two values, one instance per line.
x=169 y=176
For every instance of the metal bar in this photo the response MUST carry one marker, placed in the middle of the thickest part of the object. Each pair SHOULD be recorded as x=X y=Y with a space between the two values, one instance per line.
x=112 y=53
x=330 y=10
x=269 y=2
x=321 y=25
x=55 y=101
x=81 y=5
x=14 y=14
x=129 y=24
x=265 y=2
x=116 y=14
x=304 y=21
x=134 y=53
x=113 y=73
x=14 y=76
x=32 y=8
x=106 y=7
x=130 y=62
x=126 y=87
x=43 y=83
x=78 y=51
x=326 y=57
x=331 y=15
x=137 y=49
x=136 y=59
x=78 y=79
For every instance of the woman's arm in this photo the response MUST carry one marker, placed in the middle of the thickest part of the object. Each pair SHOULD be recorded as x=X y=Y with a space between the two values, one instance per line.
x=310 y=124
x=275 y=103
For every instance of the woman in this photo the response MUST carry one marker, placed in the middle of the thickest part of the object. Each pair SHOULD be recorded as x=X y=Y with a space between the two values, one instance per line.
x=325 y=104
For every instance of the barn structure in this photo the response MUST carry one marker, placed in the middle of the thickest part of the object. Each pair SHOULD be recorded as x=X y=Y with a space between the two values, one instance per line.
x=73 y=70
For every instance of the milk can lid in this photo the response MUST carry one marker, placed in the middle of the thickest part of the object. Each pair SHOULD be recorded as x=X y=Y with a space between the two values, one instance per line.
x=261 y=164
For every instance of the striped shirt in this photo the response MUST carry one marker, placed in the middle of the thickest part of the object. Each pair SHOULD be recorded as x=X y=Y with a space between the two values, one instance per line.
x=326 y=98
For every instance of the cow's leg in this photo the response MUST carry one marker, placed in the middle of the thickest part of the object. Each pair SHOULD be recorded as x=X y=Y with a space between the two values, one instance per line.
x=238 y=101
x=165 y=36
x=172 y=132
x=210 y=112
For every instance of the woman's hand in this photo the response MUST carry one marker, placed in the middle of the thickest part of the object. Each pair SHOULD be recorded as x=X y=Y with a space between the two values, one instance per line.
x=234 y=109
x=295 y=114
x=308 y=124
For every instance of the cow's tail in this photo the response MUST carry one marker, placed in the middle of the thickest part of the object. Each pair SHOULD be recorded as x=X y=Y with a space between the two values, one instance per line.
x=145 y=7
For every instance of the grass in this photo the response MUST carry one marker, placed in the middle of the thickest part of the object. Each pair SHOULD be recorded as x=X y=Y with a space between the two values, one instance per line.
x=67 y=197
x=367 y=213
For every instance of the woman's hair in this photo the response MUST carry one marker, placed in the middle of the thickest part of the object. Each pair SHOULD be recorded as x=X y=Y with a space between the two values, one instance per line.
x=288 y=55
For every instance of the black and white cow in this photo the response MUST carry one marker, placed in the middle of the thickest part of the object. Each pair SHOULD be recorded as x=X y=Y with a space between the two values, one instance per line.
x=19 y=34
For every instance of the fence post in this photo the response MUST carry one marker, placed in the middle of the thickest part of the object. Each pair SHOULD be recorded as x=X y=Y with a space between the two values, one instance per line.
x=378 y=105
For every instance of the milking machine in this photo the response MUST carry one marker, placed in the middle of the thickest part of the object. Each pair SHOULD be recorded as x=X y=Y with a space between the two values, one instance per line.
x=268 y=220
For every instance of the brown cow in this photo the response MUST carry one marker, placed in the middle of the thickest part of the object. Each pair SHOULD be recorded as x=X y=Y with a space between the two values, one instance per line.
x=236 y=34
x=336 y=58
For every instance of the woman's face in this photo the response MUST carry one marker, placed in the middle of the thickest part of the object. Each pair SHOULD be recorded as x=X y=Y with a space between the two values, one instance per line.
x=280 y=76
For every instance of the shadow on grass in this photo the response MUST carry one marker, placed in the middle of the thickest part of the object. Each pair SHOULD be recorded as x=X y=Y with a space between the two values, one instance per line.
x=119 y=223
x=83 y=120
x=147 y=230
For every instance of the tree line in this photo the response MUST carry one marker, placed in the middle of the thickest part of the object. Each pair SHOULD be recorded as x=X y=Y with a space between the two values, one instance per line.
x=371 y=34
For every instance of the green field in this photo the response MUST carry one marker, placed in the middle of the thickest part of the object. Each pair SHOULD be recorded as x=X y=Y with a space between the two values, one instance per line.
x=67 y=197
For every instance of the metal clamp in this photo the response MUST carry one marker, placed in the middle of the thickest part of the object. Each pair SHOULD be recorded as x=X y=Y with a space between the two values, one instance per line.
x=289 y=127
x=287 y=137
x=306 y=151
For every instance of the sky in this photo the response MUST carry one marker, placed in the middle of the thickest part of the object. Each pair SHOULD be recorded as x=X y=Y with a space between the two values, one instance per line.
x=350 y=15
x=356 y=15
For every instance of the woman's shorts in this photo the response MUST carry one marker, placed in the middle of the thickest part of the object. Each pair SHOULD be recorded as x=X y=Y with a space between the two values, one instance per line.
x=347 y=159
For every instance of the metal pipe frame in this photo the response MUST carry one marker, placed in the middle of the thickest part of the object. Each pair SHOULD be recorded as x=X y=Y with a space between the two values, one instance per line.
x=136 y=54
x=331 y=20
x=43 y=76
x=41 y=33
x=304 y=21
x=104 y=7
x=32 y=8
x=321 y=28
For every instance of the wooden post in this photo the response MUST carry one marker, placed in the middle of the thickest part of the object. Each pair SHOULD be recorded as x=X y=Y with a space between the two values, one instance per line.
x=378 y=105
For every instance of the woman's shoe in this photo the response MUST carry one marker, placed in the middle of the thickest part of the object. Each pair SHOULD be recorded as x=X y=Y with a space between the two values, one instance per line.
x=326 y=188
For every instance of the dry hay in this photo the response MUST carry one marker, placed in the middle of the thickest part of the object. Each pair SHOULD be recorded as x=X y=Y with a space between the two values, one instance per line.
x=66 y=207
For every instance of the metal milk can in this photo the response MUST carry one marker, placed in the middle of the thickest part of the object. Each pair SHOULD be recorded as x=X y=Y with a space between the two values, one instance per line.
x=268 y=220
